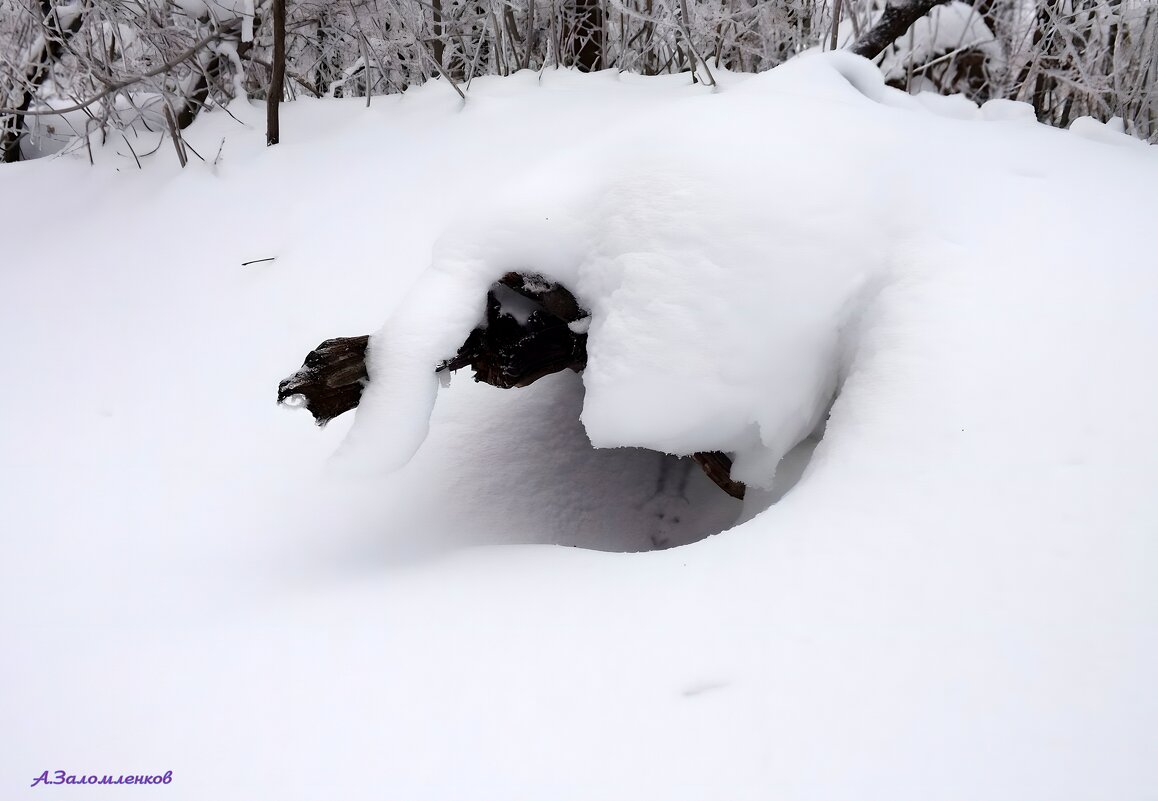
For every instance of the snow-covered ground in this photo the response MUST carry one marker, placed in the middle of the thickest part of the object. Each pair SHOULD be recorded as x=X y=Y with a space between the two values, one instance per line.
x=957 y=600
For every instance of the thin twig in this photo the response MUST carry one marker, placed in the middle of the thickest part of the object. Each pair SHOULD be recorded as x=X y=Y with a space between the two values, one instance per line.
x=175 y=135
x=134 y=152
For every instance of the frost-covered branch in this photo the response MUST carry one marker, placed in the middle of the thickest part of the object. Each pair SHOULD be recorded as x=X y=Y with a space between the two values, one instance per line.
x=117 y=86
x=1068 y=58
x=898 y=17
x=58 y=24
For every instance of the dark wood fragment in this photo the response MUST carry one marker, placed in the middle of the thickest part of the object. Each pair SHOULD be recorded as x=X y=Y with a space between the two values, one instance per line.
x=551 y=296
x=331 y=378
x=718 y=467
x=506 y=353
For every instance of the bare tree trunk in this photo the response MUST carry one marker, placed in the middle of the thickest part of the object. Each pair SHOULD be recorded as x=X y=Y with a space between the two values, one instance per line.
x=834 y=40
x=585 y=43
x=437 y=45
x=277 y=75
x=54 y=37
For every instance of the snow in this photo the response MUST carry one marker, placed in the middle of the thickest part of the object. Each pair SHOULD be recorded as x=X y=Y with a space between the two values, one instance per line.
x=949 y=595
x=247 y=14
x=671 y=367
x=1110 y=133
x=1007 y=110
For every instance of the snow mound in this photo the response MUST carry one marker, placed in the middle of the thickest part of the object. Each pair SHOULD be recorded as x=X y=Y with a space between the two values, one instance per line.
x=1001 y=110
x=719 y=308
x=724 y=290
x=955 y=601
x=1112 y=132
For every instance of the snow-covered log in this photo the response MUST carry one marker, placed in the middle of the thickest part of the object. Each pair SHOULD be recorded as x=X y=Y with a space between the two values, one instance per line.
x=533 y=328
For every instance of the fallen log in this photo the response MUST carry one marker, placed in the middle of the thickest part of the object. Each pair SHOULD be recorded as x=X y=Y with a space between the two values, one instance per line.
x=331 y=379
x=532 y=329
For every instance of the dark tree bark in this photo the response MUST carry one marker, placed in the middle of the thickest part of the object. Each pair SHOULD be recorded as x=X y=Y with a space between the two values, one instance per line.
x=277 y=76
x=198 y=95
x=899 y=16
x=501 y=351
x=331 y=379
x=437 y=45
x=718 y=467
x=585 y=38
x=39 y=67
x=505 y=351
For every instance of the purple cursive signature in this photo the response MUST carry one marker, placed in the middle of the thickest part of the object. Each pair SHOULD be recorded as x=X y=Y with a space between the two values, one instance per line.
x=60 y=777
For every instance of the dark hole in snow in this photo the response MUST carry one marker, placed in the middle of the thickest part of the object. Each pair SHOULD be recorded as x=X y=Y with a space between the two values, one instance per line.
x=529 y=474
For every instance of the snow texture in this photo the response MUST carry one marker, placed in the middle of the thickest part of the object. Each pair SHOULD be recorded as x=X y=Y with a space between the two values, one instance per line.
x=718 y=307
x=949 y=595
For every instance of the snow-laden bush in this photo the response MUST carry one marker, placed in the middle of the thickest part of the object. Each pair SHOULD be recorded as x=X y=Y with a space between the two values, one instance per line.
x=151 y=66
x=957 y=601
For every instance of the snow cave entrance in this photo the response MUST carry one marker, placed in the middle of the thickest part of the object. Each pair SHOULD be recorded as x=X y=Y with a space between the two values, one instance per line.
x=531 y=475
x=506 y=448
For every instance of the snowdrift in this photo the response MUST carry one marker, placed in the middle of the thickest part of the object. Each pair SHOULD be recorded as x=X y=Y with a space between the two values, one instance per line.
x=955 y=601
x=718 y=299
